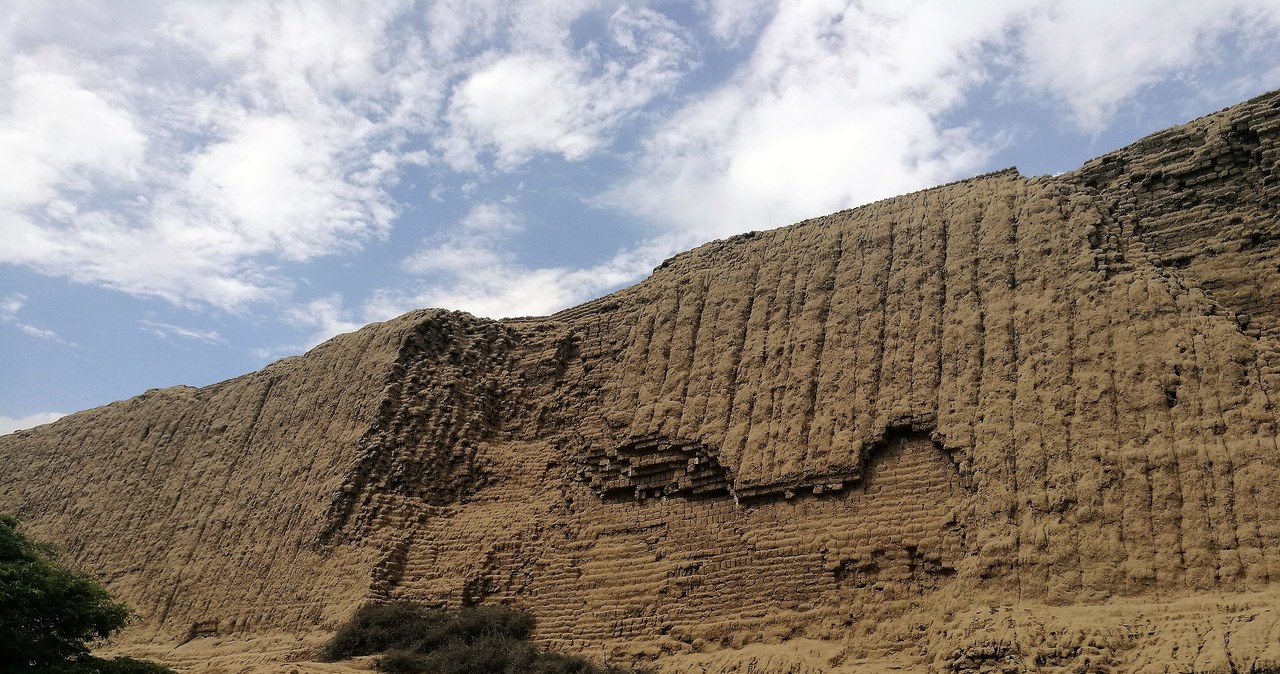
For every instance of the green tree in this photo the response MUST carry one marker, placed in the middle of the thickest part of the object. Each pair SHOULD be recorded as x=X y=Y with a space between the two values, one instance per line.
x=50 y=615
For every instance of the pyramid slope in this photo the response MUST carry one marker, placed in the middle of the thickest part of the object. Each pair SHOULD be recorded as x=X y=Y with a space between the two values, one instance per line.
x=1006 y=421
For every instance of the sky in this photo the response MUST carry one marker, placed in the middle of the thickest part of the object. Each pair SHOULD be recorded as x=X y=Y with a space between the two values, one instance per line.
x=190 y=190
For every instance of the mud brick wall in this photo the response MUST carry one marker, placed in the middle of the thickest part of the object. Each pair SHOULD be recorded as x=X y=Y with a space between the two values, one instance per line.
x=1201 y=200
x=198 y=506
x=1004 y=421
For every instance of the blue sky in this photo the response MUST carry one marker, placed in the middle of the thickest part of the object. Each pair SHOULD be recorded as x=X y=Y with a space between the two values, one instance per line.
x=192 y=189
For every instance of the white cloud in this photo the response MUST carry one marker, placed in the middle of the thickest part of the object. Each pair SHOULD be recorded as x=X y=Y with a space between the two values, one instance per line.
x=271 y=134
x=40 y=333
x=166 y=330
x=294 y=55
x=487 y=281
x=454 y=257
x=559 y=101
x=492 y=218
x=325 y=316
x=733 y=20
x=1091 y=55
x=522 y=104
x=56 y=135
x=480 y=280
x=474 y=269
x=11 y=305
x=11 y=424
x=837 y=106
x=321 y=318
x=186 y=151
x=472 y=245
x=280 y=188
x=843 y=103
x=9 y=308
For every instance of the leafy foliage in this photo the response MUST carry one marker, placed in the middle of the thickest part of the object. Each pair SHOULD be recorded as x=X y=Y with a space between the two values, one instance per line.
x=416 y=640
x=408 y=627
x=49 y=615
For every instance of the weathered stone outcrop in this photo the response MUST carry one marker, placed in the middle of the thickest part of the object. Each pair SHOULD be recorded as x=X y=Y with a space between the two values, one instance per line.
x=1007 y=424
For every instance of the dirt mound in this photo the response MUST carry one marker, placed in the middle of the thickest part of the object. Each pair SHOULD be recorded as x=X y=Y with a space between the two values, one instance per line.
x=1007 y=424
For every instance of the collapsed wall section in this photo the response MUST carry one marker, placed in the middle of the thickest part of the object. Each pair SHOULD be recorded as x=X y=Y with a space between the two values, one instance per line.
x=446 y=392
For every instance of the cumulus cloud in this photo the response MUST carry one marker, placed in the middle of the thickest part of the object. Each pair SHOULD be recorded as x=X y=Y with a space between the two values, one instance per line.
x=473 y=268
x=11 y=305
x=1092 y=64
x=280 y=187
x=552 y=99
x=521 y=104
x=185 y=151
x=492 y=218
x=472 y=245
x=324 y=315
x=56 y=135
x=137 y=178
x=836 y=106
x=11 y=424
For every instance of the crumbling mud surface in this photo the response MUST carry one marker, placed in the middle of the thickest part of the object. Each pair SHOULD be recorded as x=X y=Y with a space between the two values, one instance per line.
x=1007 y=424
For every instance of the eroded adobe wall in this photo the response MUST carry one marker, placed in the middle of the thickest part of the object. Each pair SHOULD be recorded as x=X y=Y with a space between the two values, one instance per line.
x=702 y=459
x=865 y=429
x=1066 y=387
x=1200 y=200
x=199 y=507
